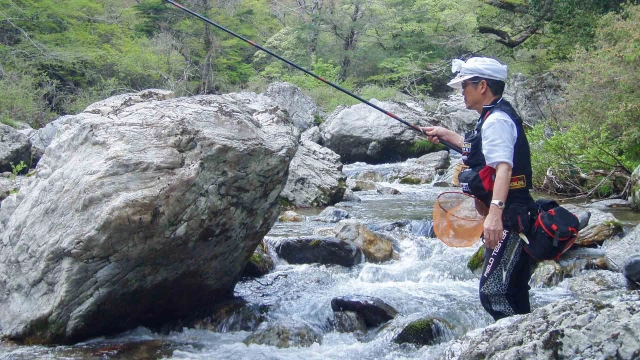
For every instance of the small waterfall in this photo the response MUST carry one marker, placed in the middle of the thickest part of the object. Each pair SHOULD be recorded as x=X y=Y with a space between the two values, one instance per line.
x=454 y=158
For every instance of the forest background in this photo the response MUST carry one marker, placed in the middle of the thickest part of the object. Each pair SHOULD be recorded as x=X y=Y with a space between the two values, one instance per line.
x=58 y=56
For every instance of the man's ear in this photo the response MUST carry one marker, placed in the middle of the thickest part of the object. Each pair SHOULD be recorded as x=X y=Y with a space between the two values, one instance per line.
x=483 y=87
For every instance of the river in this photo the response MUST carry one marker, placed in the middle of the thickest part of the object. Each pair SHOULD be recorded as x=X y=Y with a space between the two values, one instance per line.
x=428 y=279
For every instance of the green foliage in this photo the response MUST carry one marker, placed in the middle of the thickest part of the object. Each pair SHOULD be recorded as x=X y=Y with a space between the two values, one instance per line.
x=425 y=146
x=477 y=259
x=17 y=169
x=596 y=132
x=22 y=99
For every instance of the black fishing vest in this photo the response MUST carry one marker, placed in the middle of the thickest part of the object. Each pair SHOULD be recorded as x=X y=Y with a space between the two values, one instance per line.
x=479 y=178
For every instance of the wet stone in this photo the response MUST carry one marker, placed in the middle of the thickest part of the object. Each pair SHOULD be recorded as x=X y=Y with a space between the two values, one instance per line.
x=373 y=310
x=427 y=331
x=285 y=335
x=349 y=322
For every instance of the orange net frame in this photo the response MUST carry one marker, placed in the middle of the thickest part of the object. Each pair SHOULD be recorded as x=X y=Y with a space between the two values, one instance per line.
x=458 y=219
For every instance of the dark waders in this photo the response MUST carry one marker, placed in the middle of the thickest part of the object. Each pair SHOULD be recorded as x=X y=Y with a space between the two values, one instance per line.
x=504 y=282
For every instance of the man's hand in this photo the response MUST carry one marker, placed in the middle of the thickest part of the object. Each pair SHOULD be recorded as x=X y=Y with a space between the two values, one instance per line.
x=493 y=229
x=435 y=133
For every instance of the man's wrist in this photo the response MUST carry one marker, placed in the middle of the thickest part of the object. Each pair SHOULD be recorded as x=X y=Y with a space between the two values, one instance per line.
x=497 y=203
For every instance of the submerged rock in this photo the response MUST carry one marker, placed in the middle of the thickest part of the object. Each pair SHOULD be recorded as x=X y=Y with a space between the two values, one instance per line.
x=374 y=311
x=349 y=321
x=285 y=335
x=234 y=315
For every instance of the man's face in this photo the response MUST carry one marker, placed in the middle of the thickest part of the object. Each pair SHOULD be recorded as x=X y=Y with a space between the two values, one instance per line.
x=472 y=95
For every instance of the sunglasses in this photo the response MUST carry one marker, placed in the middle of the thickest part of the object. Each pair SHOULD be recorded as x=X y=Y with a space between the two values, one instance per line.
x=465 y=83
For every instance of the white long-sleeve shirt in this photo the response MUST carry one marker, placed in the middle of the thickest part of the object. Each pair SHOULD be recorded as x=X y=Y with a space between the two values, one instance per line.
x=499 y=136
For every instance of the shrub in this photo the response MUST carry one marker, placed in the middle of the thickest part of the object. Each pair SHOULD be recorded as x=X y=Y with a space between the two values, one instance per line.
x=597 y=129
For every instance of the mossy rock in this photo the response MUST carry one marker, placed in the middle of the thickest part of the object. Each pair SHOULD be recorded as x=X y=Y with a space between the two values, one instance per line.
x=410 y=181
x=260 y=263
x=428 y=331
x=477 y=259
x=614 y=224
x=286 y=203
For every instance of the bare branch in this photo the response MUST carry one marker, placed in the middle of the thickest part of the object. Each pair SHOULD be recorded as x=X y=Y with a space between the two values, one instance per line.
x=509 y=6
x=505 y=38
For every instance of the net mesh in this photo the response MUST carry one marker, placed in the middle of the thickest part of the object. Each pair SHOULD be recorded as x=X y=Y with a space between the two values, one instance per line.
x=458 y=219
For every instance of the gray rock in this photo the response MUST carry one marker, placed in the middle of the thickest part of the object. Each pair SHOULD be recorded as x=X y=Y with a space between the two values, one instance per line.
x=14 y=148
x=360 y=185
x=260 y=263
x=315 y=177
x=349 y=322
x=610 y=203
x=602 y=225
x=387 y=190
x=373 y=310
x=569 y=329
x=617 y=251
x=349 y=195
x=234 y=315
x=163 y=200
x=453 y=114
x=535 y=97
x=115 y=104
x=312 y=134
x=41 y=138
x=362 y=133
x=317 y=250
x=285 y=335
x=375 y=247
x=631 y=271
x=332 y=215
x=302 y=109
x=634 y=192
x=423 y=169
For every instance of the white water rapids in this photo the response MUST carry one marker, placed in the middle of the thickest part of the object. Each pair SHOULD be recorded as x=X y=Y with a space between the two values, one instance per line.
x=428 y=279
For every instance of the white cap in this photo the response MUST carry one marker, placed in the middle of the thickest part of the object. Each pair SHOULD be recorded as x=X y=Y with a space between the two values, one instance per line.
x=483 y=67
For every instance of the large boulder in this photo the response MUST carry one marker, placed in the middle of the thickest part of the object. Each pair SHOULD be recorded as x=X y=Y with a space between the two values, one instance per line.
x=302 y=109
x=618 y=250
x=535 y=97
x=569 y=329
x=14 y=148
x=315 y=177
x=362 y=133
x=423 y=169
x=453 y=114
x=142 y=217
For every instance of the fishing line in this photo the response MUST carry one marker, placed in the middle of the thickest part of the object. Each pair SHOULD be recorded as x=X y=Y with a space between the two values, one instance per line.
x=254 y=44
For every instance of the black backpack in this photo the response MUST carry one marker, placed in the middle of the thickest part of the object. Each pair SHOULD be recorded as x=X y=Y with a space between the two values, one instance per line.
x=554 y=231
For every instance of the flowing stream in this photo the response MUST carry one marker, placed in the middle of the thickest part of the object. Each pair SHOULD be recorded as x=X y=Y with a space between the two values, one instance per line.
x=428 y=279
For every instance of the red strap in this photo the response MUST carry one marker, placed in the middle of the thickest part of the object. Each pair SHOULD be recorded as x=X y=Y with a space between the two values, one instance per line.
x=487 y=175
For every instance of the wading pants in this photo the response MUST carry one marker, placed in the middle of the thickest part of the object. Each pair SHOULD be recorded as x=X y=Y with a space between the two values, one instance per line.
x=504 y=282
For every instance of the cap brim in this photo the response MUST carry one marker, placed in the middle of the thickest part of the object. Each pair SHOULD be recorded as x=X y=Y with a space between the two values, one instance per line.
x=456 y=83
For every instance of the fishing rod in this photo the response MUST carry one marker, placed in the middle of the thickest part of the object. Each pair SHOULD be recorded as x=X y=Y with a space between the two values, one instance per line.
x=252 y=43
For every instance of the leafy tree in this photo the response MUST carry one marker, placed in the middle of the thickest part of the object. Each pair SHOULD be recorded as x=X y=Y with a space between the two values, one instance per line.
x=596 y=132
x=552 y=27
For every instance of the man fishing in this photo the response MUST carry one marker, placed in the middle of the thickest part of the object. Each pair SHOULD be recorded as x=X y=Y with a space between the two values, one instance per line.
x=499 y=174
